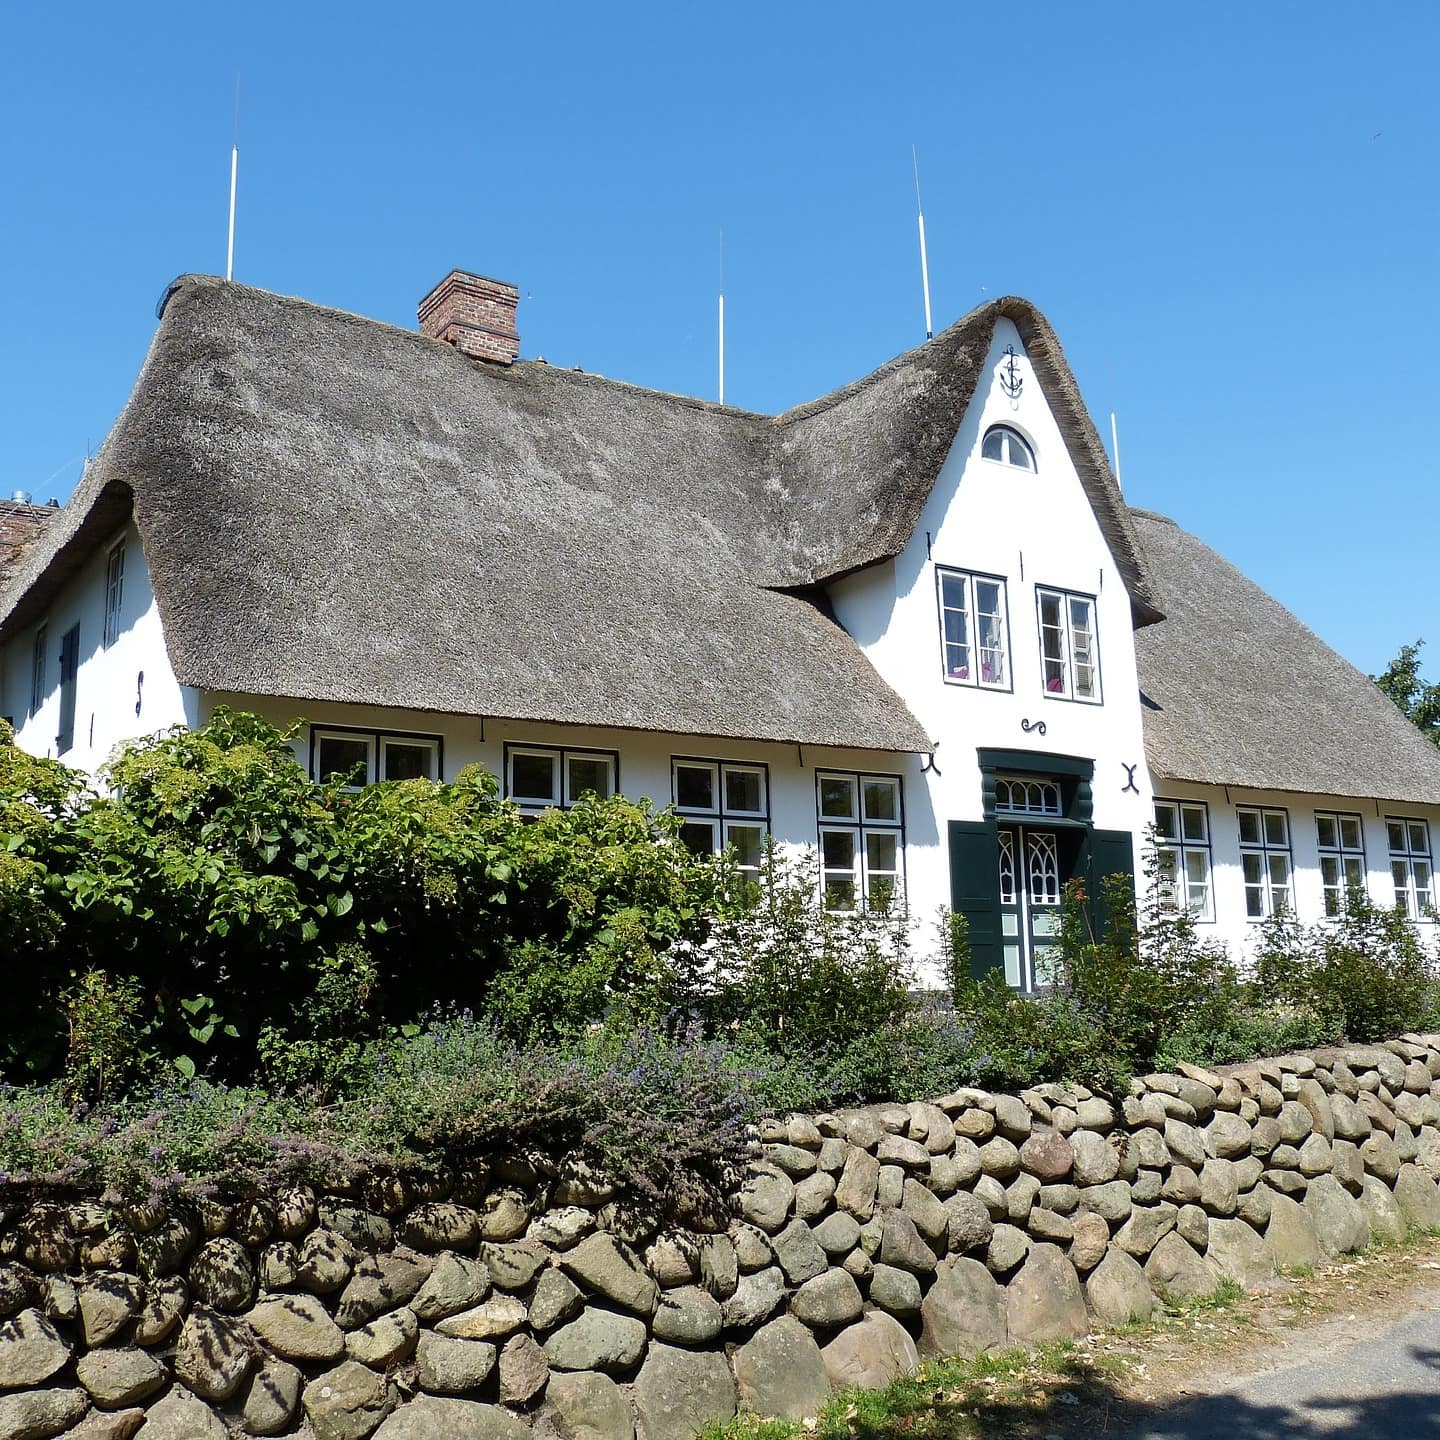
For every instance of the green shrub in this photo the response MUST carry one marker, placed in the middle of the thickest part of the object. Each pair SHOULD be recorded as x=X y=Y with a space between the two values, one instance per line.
x=1365 y=972
x=799 y=977
x=265 y=916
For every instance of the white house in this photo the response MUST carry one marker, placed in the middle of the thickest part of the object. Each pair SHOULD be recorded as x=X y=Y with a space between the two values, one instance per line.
x=912 y=624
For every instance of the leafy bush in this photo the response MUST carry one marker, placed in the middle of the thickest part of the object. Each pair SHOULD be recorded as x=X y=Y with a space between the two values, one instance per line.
x=795 y=976
x=264 y=916
x=1365 y=972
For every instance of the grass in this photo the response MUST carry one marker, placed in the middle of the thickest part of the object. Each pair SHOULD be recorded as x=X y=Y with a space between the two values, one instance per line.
x=1073 y=1388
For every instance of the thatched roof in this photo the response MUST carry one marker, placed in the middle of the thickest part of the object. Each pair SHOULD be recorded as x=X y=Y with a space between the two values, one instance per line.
x=1238 y=692
x=336 y=509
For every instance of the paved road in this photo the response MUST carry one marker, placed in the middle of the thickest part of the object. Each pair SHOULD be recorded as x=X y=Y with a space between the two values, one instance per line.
x=1383 y=1384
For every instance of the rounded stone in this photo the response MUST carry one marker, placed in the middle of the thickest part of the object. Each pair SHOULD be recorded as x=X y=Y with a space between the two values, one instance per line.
x=1008 y=1247
x=1117 y=1290
x=1177 y=1271
x=1095 y=1159
x=348 y=1402
x=587 y=1406
x=298 y=1327
x=688 y=1315
x=1047 y=1155
x=1043 y=1301
x=895 y=1291
x=781 y=1372
x=447 y=1366
x=963 y=1313
x=116 y=1378
x=426 y=1417
x=827 y=1301
x=1090 y=1243
x=681 y=1392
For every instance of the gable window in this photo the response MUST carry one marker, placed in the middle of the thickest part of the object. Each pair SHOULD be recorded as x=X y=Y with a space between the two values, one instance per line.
x=973 y=629
x=362 y=757
x=1007 y=446
x=861 y=824
x=1265 y=860
x=1340 y=840
x=37 y=669
x=724 y=805
x=538 y=777
x=1411 y=867
x=1069 y=653
x=114 y=593
x=69 y=676
x=1182 y=853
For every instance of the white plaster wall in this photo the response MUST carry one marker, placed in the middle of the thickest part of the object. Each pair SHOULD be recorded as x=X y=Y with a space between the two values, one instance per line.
x=107 y=680
x=1230 y=924
x=1032 y=529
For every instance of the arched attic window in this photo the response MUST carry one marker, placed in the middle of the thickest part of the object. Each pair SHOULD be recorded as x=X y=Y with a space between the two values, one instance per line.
x=1007 y=446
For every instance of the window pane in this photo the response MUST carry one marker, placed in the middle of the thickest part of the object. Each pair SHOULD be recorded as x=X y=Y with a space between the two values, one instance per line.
x=952 y=591
x=1052 y=645
x=698 y=837
x=748 y=842
x=1396 y=831
x=533 y=777
x=1400 y=874
x=1192 y=818
x=1254 y=902
x=839 y=892
x=1279 y=869
x=881 y=852
x=881 y=890
x=994 y=445
x=1350 y=832
x=1166 y=874
x=1354 y=874
x=1419 y=840
x=409 y=761
x=744 y=791
x=882 y=800
x=345 y=757
x=1165 y=821
x=1329 y=870
x=1275 y=828
x=1251 y=867
x=1249 y=827
x=1327 y=833
x=837 y=797
x=837 y=849
x=1421 y=870
x=695 y=787
x=586 y=774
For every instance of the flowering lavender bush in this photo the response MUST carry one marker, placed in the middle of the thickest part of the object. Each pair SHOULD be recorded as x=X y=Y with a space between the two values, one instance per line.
x=662 y=1117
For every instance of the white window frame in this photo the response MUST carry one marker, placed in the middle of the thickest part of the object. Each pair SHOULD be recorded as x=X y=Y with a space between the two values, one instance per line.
x=38 y=665
x=975 y=664
x=1066 y=632
x=561 y=755
x=1416 y=900
x=862 y=826
x=1337 y=857
x=721 y=818
x=1011 y=442
x=1266 y=850
x=114 y=593
x=1181 y=847
x=375 y=742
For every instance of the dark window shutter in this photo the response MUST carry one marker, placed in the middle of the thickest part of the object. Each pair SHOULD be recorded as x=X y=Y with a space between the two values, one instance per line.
x=975 y=890
x=1107 y=852
x=69 y=669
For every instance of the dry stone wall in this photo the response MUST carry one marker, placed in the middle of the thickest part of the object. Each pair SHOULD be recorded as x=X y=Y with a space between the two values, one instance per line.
x=501 y=1305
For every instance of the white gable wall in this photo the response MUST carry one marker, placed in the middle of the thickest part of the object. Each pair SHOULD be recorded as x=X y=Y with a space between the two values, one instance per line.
x=109 y=680
x=1031 y=529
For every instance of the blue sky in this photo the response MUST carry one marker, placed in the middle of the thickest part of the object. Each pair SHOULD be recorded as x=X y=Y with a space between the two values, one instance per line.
x=1228 y=212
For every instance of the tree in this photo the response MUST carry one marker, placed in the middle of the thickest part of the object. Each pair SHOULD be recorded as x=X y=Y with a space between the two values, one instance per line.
x=1417 y=699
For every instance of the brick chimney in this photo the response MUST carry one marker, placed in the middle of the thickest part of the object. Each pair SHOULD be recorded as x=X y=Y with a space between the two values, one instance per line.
x=474 y=314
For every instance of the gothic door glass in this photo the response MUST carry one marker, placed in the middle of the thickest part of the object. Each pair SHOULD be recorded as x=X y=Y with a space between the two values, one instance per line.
x=1031 y=888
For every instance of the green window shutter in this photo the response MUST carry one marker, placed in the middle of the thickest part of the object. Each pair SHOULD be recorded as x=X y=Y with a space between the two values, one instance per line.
x=1107 y=852
x=975 y=890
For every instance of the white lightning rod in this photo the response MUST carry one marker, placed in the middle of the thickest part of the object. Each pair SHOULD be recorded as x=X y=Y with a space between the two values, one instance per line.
x=234 y=174
x=924 y=260
x=1115 y=448
x=722 y=317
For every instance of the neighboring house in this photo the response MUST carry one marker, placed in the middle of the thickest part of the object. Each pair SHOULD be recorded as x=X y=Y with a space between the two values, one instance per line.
x=912 y=624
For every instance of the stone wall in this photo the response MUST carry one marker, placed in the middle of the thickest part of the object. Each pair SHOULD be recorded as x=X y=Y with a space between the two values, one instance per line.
x=506 y=1304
